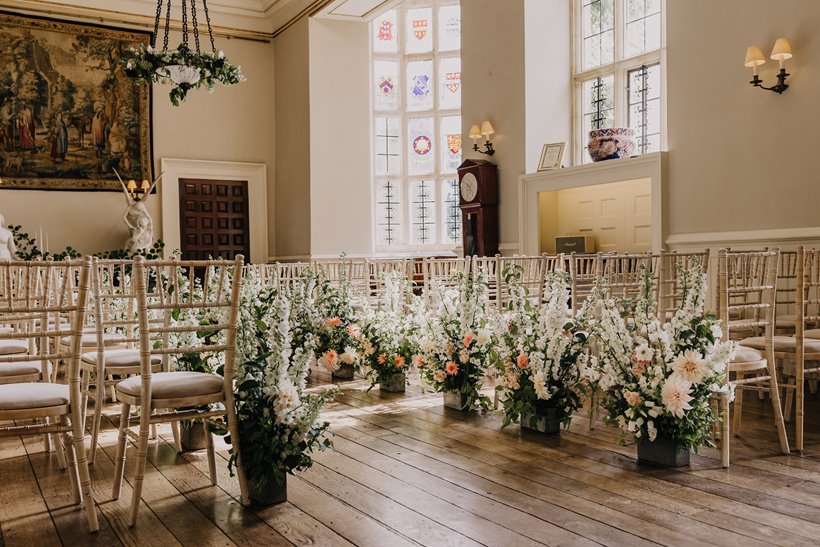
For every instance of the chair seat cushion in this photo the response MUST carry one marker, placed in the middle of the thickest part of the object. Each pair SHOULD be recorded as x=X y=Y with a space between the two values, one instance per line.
x=174 y=385
x=32 y=395
x=89 y=339
x=785 y=321
x=120 y=358
x=747 y=355
x=6 y=330
x=10 y=347
x=22 y=368
x=812 y=333
x=782 y=343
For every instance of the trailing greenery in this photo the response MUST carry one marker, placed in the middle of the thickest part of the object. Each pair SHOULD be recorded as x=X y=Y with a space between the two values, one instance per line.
x=28 y=249
x=147 y=64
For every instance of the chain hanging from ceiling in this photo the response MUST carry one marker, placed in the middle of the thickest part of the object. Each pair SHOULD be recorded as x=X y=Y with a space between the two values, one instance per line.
x=183 y=67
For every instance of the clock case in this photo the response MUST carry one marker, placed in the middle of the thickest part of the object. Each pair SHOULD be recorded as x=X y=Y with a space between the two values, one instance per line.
x=480 y=215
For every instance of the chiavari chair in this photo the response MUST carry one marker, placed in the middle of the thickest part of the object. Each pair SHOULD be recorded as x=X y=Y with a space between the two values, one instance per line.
x=668 y=264
x=444 y=271
x=533 y=276
x=785 y=313
x=38 y=295
x=584 y=271
x=193 y=395
x=747 y=283
x=377 y=270
x=489 y=269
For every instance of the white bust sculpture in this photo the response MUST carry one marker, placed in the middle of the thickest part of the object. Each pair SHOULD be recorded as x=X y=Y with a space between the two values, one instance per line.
x=8 y=250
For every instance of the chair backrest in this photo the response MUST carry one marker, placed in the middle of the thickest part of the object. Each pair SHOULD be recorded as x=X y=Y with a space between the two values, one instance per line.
x=444 y=271
x=747 y=283
x=668 y=264
x=786 y=285
x=622 y=273
x=172 y=289
x=378 y=270
x=533 y=275
x=807 y=292
x=36 y=299
x=488 y=268
x=584 y=271
x=288 y=273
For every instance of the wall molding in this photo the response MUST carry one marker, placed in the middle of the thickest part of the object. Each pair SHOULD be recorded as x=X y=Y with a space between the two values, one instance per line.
x=174 y=169
x=744 y=237
x=650 y=166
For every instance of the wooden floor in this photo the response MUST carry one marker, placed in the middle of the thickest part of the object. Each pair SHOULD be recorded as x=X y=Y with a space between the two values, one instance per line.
x=408 y=472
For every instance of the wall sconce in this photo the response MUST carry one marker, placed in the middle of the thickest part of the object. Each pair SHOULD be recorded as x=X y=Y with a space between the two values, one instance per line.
x=754 y=58
x=476 y=133
x=138 y=193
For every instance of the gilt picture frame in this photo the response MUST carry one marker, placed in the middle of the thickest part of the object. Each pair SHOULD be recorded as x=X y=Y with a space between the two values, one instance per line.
x=551 y=156
x=68 y=112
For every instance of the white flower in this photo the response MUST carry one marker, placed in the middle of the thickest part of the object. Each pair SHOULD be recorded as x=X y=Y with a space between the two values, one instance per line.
x=349 y=356
x=690 y=366
x=483 y=337
x=539 y=384
x=676 y=395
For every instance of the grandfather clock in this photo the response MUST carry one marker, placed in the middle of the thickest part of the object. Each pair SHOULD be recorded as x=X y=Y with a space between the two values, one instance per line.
x=478 y=200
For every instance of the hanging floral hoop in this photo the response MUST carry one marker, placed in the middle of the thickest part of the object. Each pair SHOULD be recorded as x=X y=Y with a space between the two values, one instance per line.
x=183 y=67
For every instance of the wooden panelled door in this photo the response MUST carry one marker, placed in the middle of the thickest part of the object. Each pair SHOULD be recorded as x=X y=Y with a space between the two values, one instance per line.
x=213 y=217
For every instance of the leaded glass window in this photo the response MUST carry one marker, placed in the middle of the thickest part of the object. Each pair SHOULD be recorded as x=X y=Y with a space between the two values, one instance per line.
x=645 y=106
x=618 y=71
x=417 y=141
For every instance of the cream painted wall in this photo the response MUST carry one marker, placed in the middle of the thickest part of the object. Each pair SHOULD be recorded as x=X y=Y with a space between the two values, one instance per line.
x=547 y=80
x=341 y=217
x=232 y=124
x=492 y=77
x=741 y=158
x=515 y=72
x=292 y=97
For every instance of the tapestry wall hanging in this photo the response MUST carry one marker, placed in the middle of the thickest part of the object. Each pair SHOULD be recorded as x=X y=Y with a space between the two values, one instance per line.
x=68 y=111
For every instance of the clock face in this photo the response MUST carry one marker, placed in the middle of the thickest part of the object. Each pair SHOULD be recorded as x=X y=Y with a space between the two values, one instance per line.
x=469 y=187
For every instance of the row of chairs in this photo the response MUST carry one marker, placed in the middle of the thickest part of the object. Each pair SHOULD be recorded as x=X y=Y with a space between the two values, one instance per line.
x=133 y=332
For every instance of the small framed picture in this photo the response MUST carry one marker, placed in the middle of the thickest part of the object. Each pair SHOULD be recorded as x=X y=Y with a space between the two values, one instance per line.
x=551 y=156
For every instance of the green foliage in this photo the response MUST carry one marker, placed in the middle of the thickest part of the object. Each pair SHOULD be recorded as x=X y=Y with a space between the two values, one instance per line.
x=213 y=68
x=28 y=249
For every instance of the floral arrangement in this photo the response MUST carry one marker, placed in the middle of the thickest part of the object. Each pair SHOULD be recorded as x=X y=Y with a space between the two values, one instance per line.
x=279 y=424
x=657 y=378
x=151 y=65
x=336 y=336
x=386 y=341
x=542 y=354
x=28 y=249
x=456 y=342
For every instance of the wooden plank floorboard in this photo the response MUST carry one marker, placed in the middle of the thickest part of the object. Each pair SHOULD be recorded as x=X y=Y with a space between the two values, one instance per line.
x=409 y=472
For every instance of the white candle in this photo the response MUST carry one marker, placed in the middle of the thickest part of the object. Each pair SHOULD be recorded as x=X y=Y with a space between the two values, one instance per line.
x=40 y=239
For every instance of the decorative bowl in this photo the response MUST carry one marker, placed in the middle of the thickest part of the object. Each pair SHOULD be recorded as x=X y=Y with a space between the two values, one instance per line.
x=612 y=143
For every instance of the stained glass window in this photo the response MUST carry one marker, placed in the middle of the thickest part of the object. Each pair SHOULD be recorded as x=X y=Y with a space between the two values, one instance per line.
x=419 y=35
x=385 y=33
x=417 y=140
x=386 y=89
x=618 y=71
x=449 y=77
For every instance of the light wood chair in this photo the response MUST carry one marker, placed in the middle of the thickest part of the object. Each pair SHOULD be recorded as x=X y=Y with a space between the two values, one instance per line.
x=194 y=395
x=623 y=273
x=533 y=275
x=785 y=313
x=746 y=304
x=489 y=268
x=31 y=300
x=377 y=269
x=584 y=271
x=668 y=265
x=114 y=312
x=444 y=271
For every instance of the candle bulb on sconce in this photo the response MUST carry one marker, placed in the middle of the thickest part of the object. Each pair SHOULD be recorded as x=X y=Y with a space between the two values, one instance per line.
x=485 y=131
x=754 y=59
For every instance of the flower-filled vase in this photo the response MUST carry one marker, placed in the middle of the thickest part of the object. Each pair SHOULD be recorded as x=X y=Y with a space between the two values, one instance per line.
x=393 y=383
x=455 y=400
x=344 y=372
x=549 y=424
x=271 y=493
x=663 y=453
